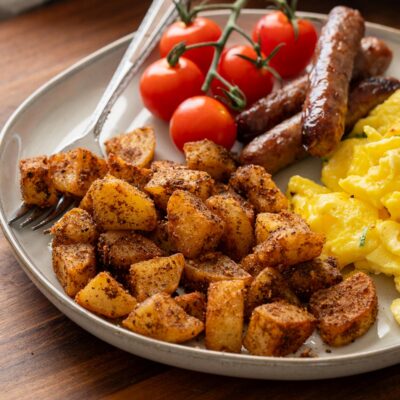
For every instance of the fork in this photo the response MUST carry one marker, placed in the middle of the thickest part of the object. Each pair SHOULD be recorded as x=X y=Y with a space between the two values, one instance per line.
x=159 y=15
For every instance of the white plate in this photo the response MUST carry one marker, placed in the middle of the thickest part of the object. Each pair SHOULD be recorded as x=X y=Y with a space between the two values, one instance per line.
x=54 y=113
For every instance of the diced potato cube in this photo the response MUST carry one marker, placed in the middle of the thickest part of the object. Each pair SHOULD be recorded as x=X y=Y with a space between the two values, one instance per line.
x=120 y=249
x=166 y=180
x=257 y=186
x=160 y=237
x=74 y=265
x=267 y=223
x=36 y=185
x=160 y=274
x=76 y=226
x=225 y=316
x=105 y=296
x=73 y=172
x=160 y=165
x=136 y=147
x=238 y=237
x=194 y=304
x=192 y=227
x=212 y=267
x=161 y=318
x=121 y=206
x=205 y=155
x=130 y=173
x=278 y=329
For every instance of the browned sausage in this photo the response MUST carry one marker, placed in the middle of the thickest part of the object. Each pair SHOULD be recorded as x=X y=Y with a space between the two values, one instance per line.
x=281 y=146
x=373 y=59
x=324 y=111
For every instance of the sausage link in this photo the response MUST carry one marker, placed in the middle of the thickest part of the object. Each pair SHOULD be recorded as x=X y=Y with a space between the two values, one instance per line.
x=281 y=146
x=373 y=59
x=324 y=110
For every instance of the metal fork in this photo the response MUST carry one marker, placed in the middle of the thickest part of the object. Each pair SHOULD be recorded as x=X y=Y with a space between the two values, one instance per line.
x=160 y=14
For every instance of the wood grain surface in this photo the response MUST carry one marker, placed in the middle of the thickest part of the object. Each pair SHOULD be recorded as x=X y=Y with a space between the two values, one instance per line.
x=43 y=355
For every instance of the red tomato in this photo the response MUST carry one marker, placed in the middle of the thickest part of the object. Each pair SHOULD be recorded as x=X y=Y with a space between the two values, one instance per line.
x=275 y=28
x=202 y=117
x=200 y=30
x=254 y=82
x=163 y=87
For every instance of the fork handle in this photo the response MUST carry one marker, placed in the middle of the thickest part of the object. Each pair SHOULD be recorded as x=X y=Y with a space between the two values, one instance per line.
x=160 y=14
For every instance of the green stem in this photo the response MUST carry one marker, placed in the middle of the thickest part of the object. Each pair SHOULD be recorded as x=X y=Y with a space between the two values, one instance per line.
x=239 y=30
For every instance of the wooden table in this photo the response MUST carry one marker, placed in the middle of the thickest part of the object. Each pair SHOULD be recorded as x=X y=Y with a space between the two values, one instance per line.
x=43 y=355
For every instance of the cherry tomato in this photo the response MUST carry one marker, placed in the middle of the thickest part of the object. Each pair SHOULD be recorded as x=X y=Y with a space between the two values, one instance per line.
x=275 y=28
x=202 y=117
x=254 y=82
x=163 y=87
x=199 y=30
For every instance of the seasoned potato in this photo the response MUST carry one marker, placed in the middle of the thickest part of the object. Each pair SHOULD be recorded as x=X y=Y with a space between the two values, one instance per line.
x=268 y=286
x=193 y=303
x=161 y=238
x=309 y=277
x=74 y=265
x=238 y=237
x=76 y=226
x=161 y=318
x=73 y=172
x=212 y=267
x=278 y=329
x=105 y=296
x=256 y=185
x=160 y=165
x=86 y=202
x=165 y=181
x=121 y=206
x=36 y=185
x=130 y=173
x=345 y=311
x=252 y=265
x=160 y=274
x=192 y=227
x=120 y=249
x=267 y=223
x=205 y=155
x=136 y=147
x=289 y=246
x=225 y=315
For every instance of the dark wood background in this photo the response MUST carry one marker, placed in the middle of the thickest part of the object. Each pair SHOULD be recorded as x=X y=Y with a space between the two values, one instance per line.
x=43 y=355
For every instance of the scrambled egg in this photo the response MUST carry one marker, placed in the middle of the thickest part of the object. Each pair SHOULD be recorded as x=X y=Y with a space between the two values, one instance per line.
x=358 y=208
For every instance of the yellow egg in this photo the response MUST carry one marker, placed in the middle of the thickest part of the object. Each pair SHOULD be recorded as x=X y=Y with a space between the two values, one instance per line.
x=395 y=309
x=389 y=234
x=392 y=203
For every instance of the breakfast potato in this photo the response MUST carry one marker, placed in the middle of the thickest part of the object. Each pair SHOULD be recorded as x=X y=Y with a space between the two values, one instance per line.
x=86 y=202
x=74 y=171
x=165 y=181
x=252 y=265
x=257 y=186
x=76 y=226
x=278 y=329
x=192 y=227
x=225 y=316
x=193 y=303
x=309 y=277
x=289 y=246
x=267 y=223
x=120 y=249
x=136 y=147
x=160 y=237
x=137 y=176
x=121 y=206
x=74 y=265
x=205 y=155
x=160 y=274
x=160 y=165
x=36 y=186
x=161 y=318
x=238 y=237
x=212 y=267
x=103 y=295
x=268 y=286
x=345 y=311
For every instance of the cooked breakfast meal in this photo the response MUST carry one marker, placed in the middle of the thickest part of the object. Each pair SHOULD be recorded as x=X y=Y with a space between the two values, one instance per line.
x=212 y=248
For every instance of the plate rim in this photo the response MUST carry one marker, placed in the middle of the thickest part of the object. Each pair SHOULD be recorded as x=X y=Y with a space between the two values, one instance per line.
x=45 y=286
